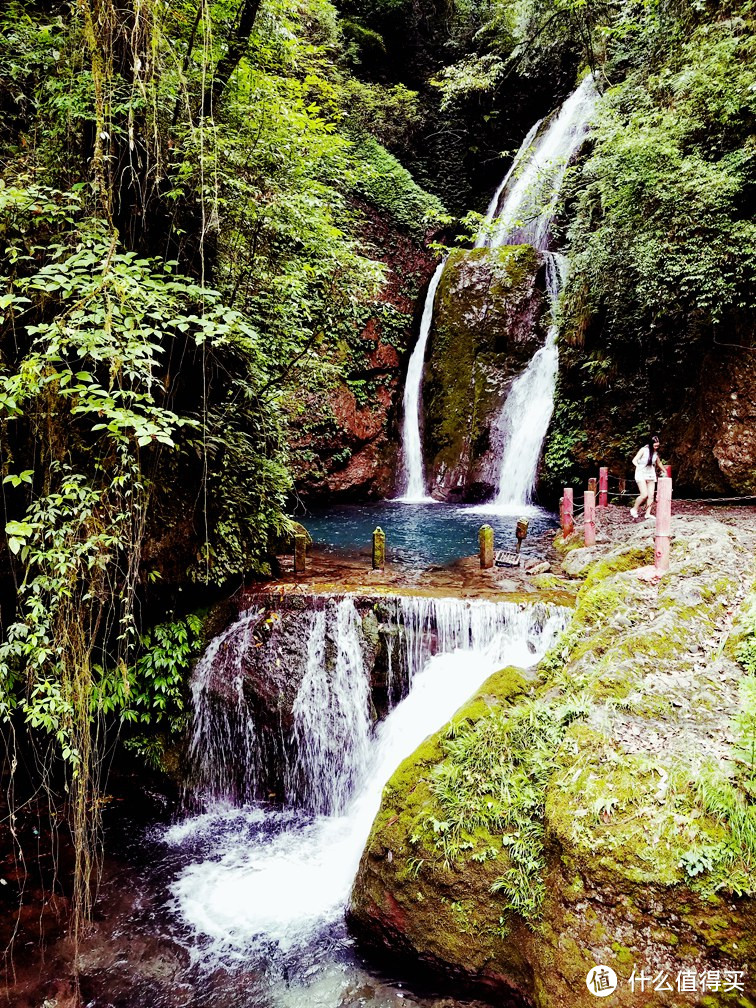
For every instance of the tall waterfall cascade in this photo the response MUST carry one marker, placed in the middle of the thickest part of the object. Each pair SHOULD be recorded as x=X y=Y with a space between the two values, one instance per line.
x=521 y=212
x=266 y=878
x=412 y=445
x=523 y=209
x=522 y=424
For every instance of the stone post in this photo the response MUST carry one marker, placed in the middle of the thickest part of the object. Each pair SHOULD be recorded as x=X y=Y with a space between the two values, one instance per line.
x=379 y=549
x=300 y=553
x=486 y=544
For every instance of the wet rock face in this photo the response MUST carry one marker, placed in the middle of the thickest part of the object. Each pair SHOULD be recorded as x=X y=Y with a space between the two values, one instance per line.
x=254 y=678
x=489 y=320
x=717 y=447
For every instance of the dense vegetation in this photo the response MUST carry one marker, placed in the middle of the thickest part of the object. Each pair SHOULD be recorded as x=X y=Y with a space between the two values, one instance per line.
x=185 y=194
x=662 y=237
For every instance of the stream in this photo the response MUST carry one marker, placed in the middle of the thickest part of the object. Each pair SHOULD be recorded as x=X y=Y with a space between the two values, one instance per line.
x=244 y=905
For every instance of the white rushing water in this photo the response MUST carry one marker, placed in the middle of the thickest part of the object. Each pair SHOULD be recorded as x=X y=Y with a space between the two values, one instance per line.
x=269 y=880
x=484 y=238
x=331 y=717
x=524 y=213
x=522 y=424
x=223 y=747
x=412 y=446
x=527 y=199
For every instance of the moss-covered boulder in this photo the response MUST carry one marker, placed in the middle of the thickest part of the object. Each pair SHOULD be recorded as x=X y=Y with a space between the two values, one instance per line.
x=489 y=320
x=601 y=813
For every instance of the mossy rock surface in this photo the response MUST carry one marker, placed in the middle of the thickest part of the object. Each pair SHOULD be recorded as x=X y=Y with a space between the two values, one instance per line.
x=443 y=913
x=489 y=319
x=614 y=821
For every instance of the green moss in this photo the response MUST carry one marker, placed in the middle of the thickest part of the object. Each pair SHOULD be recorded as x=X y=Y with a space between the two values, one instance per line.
x=472 y=351
x=624 y=559
x=533 y=799
x=387 y=184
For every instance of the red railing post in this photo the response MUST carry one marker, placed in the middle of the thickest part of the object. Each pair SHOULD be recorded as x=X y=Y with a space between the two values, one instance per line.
x=567 y=512
x=668 y=470
x=589 y=517
x=603 y=486
x=663 y=524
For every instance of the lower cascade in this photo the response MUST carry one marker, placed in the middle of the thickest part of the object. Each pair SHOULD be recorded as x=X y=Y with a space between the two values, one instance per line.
x=268 y=877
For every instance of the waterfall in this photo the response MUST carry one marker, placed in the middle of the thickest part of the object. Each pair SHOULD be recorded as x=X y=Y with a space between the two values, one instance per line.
x=521 y=212
x=331 y=717
x=522 y=424
x=527 y=199
x=320 y=759
x=412 y=447
x=224 y=751
x=264 y=880
x=493 y=207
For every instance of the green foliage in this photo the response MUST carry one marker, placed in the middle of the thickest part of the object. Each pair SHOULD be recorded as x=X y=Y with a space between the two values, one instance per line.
x=116 y=320
x=746 y=652
x=152 y=694
x=663 y=244
x=474 y=74
x=745 y=722
x=494 y=778
x=155 y=688
x=565 y=434
x=66 y=543
x=731 y=863
x=390 y=187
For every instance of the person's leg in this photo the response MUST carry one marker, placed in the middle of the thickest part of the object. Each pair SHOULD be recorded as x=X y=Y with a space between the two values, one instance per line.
x=643 y=494
x=650 y=495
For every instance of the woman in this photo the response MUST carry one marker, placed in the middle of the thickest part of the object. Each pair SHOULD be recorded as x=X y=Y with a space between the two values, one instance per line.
x=646 y=464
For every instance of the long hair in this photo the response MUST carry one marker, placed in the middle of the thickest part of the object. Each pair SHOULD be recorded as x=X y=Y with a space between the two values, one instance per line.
x=651 y=449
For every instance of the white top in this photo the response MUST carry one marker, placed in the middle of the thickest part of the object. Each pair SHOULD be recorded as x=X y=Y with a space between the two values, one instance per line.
x=644 y=470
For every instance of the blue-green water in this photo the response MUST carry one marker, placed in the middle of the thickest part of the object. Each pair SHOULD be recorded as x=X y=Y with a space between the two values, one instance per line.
x=420 y=534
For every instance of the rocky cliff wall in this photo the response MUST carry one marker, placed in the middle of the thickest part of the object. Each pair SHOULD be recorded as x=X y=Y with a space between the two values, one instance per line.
x=344 y=438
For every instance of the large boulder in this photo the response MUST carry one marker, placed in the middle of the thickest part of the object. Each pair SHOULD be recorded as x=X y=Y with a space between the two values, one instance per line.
x=490 y=317
x=601 y=814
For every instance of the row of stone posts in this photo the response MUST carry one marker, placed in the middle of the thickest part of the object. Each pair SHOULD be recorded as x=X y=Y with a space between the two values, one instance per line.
x=300 y=551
